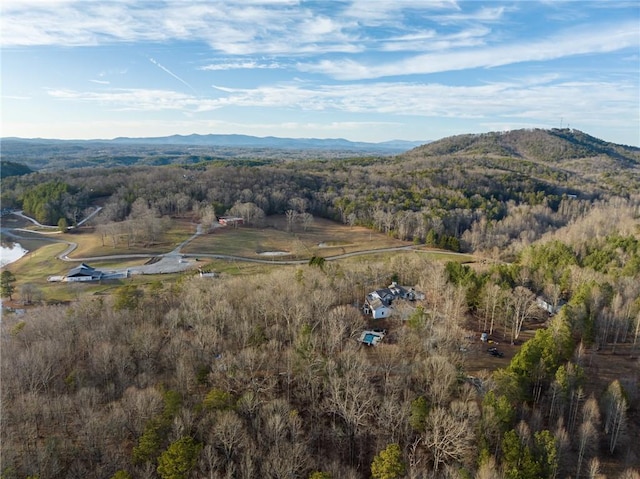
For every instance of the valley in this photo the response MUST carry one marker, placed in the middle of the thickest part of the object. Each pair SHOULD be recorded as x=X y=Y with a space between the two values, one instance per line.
x=242 y=343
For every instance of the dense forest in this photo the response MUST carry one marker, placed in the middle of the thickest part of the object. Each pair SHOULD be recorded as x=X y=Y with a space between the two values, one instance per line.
x=43 y=154
x=470 y=193
x=263 y=376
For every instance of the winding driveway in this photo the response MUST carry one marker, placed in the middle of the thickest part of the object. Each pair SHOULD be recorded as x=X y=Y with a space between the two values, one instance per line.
x=176 y=261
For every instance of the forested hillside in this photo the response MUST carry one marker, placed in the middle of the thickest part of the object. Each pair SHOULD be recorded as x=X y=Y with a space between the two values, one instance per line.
x=264 y=376
x=474 y=201
x=556 y=145
x=45 y=155
x=8 y=168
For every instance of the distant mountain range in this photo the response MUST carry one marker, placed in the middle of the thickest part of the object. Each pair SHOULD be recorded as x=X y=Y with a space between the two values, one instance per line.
x=238 y=141
x=558 y=151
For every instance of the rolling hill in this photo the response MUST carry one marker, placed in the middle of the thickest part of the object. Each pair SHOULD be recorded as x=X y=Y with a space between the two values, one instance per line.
x=51 y=154
x=563 y=156
x=555 y=145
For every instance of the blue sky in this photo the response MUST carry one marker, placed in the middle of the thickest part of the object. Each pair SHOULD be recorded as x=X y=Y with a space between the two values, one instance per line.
x=365 y=70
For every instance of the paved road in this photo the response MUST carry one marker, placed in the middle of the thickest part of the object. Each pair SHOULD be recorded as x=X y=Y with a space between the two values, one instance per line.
x=28 y=218
x=35 y=222
x=176 y=261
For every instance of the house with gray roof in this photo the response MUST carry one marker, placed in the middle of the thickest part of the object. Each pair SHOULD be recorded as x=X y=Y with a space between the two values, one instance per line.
x=378 y=303
x=84 y=272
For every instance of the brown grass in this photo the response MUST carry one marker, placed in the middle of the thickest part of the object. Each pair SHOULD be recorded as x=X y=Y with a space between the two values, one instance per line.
x=90 y=242
x=323 y=238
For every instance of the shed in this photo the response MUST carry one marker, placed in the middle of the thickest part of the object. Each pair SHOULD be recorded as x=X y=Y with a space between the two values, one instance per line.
x=231 y=220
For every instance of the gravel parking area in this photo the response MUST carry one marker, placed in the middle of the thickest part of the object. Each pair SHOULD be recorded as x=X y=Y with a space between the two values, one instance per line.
x=166 y=264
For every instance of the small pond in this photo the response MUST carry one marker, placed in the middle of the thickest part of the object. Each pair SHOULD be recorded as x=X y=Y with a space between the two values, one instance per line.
x=11 y=252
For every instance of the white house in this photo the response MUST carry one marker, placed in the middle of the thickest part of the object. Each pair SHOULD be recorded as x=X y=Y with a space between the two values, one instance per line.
x=549 y=307
x=84 y=272
x=376 y=308
x=378 y=303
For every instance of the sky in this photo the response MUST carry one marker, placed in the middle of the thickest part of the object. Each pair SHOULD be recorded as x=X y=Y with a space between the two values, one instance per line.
x=364 y=70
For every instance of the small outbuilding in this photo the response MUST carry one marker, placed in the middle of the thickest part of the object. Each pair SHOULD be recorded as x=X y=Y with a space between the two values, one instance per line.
x=549 y=307
x=231 y=221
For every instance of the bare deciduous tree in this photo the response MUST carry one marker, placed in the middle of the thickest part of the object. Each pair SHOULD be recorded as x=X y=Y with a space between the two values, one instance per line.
x=307 y=220
x=439 y=375
x=630 y=474
x=207 y=217
x=228 y=434
x=291 y=216
x=522 y=303
x=615 y=414
x=492 y=301
x=349 y=393
x=447 y=439
x=30 y=293
x=587 y=437
x=593 y=471
x=488 y=470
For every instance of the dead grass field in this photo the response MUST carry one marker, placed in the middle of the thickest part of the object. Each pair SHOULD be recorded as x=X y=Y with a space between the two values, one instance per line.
x=90 y=243
x=324 y=238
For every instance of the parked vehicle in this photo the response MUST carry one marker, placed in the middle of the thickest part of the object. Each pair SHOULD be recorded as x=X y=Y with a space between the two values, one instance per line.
x=495 y=352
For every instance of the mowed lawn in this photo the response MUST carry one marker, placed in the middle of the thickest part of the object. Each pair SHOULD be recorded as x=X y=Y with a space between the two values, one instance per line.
x=323 y=238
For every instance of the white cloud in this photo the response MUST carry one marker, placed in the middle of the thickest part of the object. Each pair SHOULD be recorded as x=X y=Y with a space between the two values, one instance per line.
x=16 y=97
x=224 y=89
x=536 y=99
x=384 y=12
x=483 y=14
x=233 y=27
x=586 y=40
x=240 y=65
x=130 y=99
x=431 y=41
x=289 y=28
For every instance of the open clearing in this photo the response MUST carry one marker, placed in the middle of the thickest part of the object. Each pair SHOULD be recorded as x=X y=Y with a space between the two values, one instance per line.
x=272 y=244
x=323 y=238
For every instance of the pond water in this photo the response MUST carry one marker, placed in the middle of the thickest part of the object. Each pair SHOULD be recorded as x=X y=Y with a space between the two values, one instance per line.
x=11 y=252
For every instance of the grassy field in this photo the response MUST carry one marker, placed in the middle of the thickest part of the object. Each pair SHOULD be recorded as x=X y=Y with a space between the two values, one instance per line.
x=90 y=243
x=324 y=238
